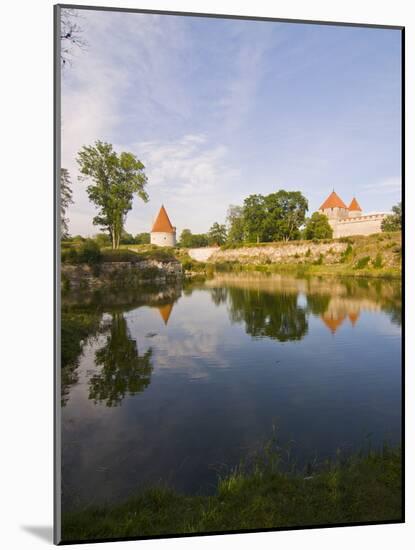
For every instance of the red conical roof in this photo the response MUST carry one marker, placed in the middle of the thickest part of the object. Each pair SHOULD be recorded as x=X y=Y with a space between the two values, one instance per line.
x=333 y=201
x=354 y=205
x=162 y=223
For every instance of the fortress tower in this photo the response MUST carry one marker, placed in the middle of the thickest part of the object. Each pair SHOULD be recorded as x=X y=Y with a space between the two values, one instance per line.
x=350 y=220
x=162 y=232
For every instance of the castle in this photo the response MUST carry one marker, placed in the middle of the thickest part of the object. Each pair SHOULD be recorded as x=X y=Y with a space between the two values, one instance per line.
x=350 y=220
x=344 y=220
x=162 y=232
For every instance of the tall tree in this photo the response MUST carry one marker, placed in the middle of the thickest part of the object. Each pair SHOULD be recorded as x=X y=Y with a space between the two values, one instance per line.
x=186 y=238
x=394 y=221
x=235 y=219
x=116 y=179
x=217 y=234
x=65 y=200
x=285 y=214
x=275 y=217
x=318 y=227
x=254 y=216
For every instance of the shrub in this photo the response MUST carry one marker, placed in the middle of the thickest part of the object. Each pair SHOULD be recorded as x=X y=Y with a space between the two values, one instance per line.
x=89 y=252
x=362 y=262
x=319 y=261
x=69 y=256
x=346 y=254
x=378 y=261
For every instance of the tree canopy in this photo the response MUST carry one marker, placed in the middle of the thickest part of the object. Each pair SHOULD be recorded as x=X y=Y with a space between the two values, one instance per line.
x=116 y=179
x=192 y=240
x=394 y=221
x=274 y=217
x=318 y=227
x=235 y=220
x=217 y=234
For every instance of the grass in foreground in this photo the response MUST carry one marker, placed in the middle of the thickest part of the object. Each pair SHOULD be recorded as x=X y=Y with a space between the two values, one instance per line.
x=361 y=489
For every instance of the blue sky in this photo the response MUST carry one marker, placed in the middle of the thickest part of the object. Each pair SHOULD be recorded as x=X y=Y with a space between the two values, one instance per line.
x=219 y=109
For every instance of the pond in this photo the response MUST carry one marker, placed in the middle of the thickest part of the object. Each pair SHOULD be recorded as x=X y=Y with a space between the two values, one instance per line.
x=176 y=386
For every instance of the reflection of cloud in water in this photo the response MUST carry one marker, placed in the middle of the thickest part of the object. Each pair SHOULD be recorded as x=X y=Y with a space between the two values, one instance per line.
x=190 y=344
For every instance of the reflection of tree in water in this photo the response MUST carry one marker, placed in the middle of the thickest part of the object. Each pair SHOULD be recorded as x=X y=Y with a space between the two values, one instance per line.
x=123 y=371
x=275 y=315
x=76 y=328
x=219 y=295
x=318 y=303
x=393 y=306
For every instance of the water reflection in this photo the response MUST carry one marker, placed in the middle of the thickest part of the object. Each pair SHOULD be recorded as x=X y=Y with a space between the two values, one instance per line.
x=276 y=307
x=123 y=370
x=229 y=358
x=268 y=315
x=269 y=305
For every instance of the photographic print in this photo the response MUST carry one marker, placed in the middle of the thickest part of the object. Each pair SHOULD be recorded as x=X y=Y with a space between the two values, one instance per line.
x=229 y=274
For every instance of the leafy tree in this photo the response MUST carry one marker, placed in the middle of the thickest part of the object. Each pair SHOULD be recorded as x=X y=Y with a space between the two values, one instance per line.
x=285 y=214
x=65 y=201
x=318 y=227
x=199 y=240
x=190 y=240
x=275 y=217
x=102 y=240
x=394 y=221
x=115 y=181
x=235 y=219
x=217 y=234
x=253 y=218
x=127 y=238
x=186 y=238
x=142 y=238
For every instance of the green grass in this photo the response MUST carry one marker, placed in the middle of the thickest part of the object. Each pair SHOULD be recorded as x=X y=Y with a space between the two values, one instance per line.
x=377 y=255
x=359 y=489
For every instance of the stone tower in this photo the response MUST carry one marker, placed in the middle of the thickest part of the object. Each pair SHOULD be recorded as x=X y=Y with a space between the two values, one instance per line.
x=354 y=209
x=333 y=207
x=162 y=232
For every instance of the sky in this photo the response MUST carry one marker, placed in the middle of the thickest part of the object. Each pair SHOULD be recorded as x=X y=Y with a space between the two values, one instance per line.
x=218 y=109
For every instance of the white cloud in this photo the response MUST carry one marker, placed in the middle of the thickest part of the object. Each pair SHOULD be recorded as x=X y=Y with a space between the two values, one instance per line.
x=186 y=172
x=387 y=185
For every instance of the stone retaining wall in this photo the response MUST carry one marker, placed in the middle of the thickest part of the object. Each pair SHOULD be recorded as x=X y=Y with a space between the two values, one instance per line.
x=283 y=253
x=120 y=273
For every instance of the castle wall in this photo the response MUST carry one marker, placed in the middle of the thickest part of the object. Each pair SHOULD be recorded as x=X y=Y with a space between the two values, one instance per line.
x=335 y=213
x=163 y=239
x=362 y=225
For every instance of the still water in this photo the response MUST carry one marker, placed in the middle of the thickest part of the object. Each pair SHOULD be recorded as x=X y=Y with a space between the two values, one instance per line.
x=176 y=385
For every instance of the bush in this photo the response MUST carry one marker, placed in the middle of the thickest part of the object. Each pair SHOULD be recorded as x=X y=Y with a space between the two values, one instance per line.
x=378 y=261
x=319 y=261
x=89 y=253
x=362 y=262
x=346 y=254
x=69 y=256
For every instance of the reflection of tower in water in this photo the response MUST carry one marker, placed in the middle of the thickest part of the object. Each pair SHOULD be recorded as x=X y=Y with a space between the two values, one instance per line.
x=334 y=318
x=165 y=312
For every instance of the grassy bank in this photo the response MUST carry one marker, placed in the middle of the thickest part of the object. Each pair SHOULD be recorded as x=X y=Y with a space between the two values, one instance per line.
x=378 y=255
x=361 y=489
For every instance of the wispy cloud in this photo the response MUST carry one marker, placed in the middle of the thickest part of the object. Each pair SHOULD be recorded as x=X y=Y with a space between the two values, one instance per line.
x=388 y=185
x=187 y=172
